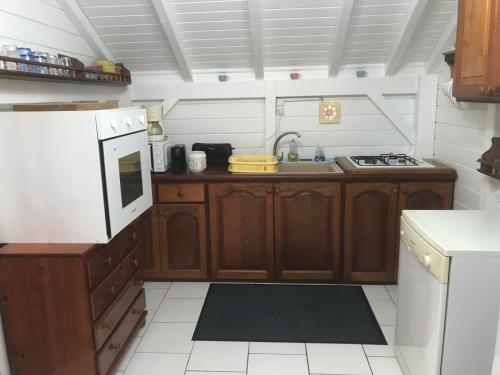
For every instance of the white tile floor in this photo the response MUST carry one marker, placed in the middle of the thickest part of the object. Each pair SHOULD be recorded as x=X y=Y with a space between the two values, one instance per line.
x=164 y=346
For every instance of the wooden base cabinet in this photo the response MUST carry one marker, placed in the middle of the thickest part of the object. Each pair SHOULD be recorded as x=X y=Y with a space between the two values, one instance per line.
x=371 y=228
x=241 y=230
x=370 y=231
x=151 y=248
x=182 y=240
x=71 y=309
x=307 y=231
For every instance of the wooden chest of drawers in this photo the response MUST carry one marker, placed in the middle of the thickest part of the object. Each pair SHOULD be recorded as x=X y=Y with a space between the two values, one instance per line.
x=71 y=309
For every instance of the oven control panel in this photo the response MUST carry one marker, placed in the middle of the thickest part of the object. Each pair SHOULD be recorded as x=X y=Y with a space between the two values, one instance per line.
x=116 y=122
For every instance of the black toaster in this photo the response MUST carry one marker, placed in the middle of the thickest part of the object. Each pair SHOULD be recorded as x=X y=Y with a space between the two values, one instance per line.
x=217 y=153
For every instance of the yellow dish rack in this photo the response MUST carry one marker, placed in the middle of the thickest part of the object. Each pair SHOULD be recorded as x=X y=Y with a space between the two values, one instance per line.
x=253 y=164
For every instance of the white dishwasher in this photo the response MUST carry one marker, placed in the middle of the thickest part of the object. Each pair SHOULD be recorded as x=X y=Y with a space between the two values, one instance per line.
x=449 y=292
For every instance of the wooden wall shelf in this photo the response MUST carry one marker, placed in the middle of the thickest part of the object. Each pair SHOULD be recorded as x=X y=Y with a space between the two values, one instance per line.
x=74 y=74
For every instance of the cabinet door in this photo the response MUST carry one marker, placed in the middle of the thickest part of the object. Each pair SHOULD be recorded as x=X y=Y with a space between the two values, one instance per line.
x=425 y=196
x=241 y=231
x=307 y=230
x=370 y=232
x=183 y=240
x=472 y=48
x=494 y=51
x=150 y=244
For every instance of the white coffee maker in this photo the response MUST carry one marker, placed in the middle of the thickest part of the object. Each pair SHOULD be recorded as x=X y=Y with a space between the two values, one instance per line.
x=156 y=131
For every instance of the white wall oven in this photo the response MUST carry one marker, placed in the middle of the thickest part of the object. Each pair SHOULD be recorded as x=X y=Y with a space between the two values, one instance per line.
x=72 y=177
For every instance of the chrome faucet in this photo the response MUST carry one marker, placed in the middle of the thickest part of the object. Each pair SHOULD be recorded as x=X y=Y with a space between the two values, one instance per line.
x=275 y=146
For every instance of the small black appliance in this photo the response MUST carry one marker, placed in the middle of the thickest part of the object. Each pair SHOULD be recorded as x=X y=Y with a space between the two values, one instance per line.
x=178 y=159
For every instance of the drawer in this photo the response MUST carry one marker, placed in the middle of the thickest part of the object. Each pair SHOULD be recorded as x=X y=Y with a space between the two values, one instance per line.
x=109 y=289
x=175 y=193
x=109 y=320
x=128 y=239
x=102 y=264
x=118 y=340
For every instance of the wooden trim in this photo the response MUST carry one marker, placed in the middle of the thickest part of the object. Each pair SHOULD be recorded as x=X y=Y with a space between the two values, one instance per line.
x=341 y=31
x=82 y=24
x=169 y=27
x=254 y=21
x=408 y=28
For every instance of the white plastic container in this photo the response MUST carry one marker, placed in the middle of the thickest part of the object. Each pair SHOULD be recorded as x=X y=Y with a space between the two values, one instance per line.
x=197 y=161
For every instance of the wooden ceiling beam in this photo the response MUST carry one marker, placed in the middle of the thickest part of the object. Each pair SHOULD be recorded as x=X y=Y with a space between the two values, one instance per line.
x=255 y=32
x=417 y=8
x=85 y=28
x=444 y=43
x=169 y=26
x=342 y=28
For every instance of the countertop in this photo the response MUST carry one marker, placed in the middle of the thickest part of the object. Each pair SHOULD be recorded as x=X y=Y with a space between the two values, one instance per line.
x=458 y=232
x=220 y=174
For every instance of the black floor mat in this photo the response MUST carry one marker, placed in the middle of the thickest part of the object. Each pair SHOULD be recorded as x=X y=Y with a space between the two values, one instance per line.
x=288 y=313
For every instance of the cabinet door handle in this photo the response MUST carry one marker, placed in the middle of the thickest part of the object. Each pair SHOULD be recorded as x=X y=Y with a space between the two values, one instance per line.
x=269 y=190
x=180 y=194
x=112 y=346
x=109 y=261
x=482 y=90
x=134 y=236
x=112 y=290
x=395 y=190
x=135 y=262
x=277 y=190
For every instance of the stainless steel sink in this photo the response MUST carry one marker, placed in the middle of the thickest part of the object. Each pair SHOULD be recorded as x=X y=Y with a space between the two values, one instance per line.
x=309 y=167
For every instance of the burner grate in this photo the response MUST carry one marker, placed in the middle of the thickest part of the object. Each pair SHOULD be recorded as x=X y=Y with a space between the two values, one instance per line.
x=388 y=160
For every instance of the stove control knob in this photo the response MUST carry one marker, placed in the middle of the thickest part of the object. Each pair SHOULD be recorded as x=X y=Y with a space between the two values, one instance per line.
x=402 y=233
x=129 y=121
x=113 y=124
x=427 y=261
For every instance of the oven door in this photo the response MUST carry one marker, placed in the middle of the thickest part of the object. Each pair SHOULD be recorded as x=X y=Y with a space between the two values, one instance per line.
x=127 y=167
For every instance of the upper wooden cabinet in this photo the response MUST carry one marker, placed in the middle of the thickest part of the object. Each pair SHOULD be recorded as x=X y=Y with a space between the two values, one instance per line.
x=307 y=230
x=477 y=60
x=370 y=231
x=241 y=230
x=182 y=240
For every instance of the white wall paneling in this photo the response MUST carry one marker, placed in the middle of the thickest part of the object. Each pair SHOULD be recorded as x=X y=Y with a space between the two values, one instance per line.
x=165 y=13
x=82 y=24
x=254 y=19
x=461 y=136
x=417 y=8
x=444 y=43
x=426 y=116
x=244 y=113
x=44 y=26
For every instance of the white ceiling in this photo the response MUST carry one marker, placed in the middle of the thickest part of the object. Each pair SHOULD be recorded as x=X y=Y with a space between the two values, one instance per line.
x=192 y=36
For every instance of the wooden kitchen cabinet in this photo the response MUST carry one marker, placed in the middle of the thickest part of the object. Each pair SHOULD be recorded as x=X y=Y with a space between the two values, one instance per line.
x=182 y=240
x=151 y=248
x=477 y=58
x=425 y=196
x=370 y=231
x=241 y=230
x=307 y=231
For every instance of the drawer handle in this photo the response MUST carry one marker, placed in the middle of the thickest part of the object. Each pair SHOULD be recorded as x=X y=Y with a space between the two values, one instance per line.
x=277 y=191
x=180 y=194
x=269 y=190
x=112 y=346
x=112 y=290
x=135 y=262
x=395 y=190
x=134 y=236
x=109 y=261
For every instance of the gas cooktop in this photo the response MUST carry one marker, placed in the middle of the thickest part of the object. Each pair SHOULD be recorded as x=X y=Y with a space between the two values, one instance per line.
x=388 y=160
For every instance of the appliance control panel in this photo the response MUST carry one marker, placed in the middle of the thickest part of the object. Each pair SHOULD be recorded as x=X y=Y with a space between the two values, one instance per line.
x=116 y=122
x=436 y=263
